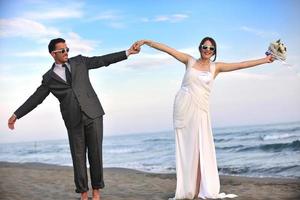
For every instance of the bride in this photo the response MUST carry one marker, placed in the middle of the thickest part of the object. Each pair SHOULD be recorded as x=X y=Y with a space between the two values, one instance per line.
x=196 y=165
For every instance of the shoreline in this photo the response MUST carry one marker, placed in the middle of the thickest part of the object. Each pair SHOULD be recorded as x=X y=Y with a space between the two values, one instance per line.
x=47 y=181
x=45 y=165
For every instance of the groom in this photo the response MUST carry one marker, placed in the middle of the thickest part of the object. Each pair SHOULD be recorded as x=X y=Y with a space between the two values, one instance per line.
x=68 y=80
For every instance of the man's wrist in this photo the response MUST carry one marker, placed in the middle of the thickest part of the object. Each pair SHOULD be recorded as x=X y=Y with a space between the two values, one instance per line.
x=127 y=53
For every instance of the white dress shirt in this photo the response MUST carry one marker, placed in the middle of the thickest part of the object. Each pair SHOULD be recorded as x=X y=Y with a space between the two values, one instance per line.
x=60 y=70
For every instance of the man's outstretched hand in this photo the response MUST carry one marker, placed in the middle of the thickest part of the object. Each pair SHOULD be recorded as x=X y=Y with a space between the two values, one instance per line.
x=12 y=121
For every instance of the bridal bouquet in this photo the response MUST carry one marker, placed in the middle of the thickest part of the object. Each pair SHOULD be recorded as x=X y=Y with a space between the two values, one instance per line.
x=277 y=50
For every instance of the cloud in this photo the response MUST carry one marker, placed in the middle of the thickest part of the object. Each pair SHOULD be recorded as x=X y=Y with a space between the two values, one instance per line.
x=240 y=75
x=79 y=45
x=166 y=18
x=158 y=59
x=19 y=27
x=112 y=19
x=117 y=25
x=61 y=13
x=248 y=98
x=260 y=33
x=37 y=53
x=107 y=15
x=50 y=11
x=149 y=61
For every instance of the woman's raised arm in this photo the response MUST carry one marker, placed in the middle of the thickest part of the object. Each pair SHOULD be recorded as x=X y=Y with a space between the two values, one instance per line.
x=182 y=57
x=227 y=67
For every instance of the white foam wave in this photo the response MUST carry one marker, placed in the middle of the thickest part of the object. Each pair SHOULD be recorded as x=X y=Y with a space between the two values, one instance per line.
x=276 y=137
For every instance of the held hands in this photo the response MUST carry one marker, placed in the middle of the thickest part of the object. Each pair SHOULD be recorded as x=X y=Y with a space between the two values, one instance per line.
x=136 y=47
x=12 y=121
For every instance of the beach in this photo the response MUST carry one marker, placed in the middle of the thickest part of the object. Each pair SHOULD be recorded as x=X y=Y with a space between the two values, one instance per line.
x=35 y=181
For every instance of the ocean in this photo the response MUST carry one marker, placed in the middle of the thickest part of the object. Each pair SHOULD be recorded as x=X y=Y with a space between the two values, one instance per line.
x=255 y=151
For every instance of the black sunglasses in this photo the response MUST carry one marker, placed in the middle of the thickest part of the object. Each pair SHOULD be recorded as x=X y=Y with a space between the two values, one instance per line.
x=62 y=50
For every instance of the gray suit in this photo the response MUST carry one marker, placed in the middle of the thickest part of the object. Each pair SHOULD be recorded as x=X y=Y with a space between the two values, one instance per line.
x=82 y=114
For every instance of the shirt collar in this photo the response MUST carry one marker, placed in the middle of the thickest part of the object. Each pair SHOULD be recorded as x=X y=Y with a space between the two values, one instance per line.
x=60 y=65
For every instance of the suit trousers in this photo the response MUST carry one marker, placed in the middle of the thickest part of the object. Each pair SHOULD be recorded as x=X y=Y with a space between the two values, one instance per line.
x=86 y=138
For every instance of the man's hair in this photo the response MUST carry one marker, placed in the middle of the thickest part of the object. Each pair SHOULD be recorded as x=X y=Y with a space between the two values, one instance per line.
x=52 y=43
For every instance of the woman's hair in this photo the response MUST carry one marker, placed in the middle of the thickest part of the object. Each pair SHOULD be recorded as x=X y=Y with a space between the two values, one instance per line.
x=213 y=43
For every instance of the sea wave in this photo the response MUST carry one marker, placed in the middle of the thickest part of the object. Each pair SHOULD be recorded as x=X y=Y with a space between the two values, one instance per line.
x=158 y=140
x=123 y=151
x=275 y=137
x=280 y=171
x=234 y=170
x=292 y=146
x=230 y=147
x=263 y=130
x=277 y=169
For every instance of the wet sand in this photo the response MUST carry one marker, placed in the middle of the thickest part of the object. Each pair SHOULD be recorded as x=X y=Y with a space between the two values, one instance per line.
x=35 y=181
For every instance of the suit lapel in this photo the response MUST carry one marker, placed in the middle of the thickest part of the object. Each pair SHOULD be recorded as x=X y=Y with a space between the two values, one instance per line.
x=73 y=68
x=55 y=76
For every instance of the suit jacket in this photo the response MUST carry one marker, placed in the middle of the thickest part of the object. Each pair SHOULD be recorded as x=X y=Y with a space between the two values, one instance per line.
x=77 y=97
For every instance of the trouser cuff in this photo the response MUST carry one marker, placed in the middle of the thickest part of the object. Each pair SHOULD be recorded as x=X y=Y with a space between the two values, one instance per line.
x=99 y=186
x=81 y=190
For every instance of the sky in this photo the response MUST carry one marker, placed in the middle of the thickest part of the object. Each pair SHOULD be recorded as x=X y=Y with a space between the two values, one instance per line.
x=137 y=94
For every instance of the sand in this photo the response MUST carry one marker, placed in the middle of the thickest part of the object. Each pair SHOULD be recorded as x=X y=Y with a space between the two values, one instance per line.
x=35 y=181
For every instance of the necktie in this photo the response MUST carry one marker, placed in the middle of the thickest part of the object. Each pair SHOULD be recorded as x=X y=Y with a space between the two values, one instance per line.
x=68 y=74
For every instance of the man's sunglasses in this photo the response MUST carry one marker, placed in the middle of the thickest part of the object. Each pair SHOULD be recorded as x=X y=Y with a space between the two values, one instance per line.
x=204 y=47
x=62 y=50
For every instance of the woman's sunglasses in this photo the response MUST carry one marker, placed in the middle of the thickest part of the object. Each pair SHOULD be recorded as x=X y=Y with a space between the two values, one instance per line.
x=205 y=47
x=62 y=50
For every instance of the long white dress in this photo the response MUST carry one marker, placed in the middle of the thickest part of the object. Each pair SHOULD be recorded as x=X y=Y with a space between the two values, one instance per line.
x=194 y=140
